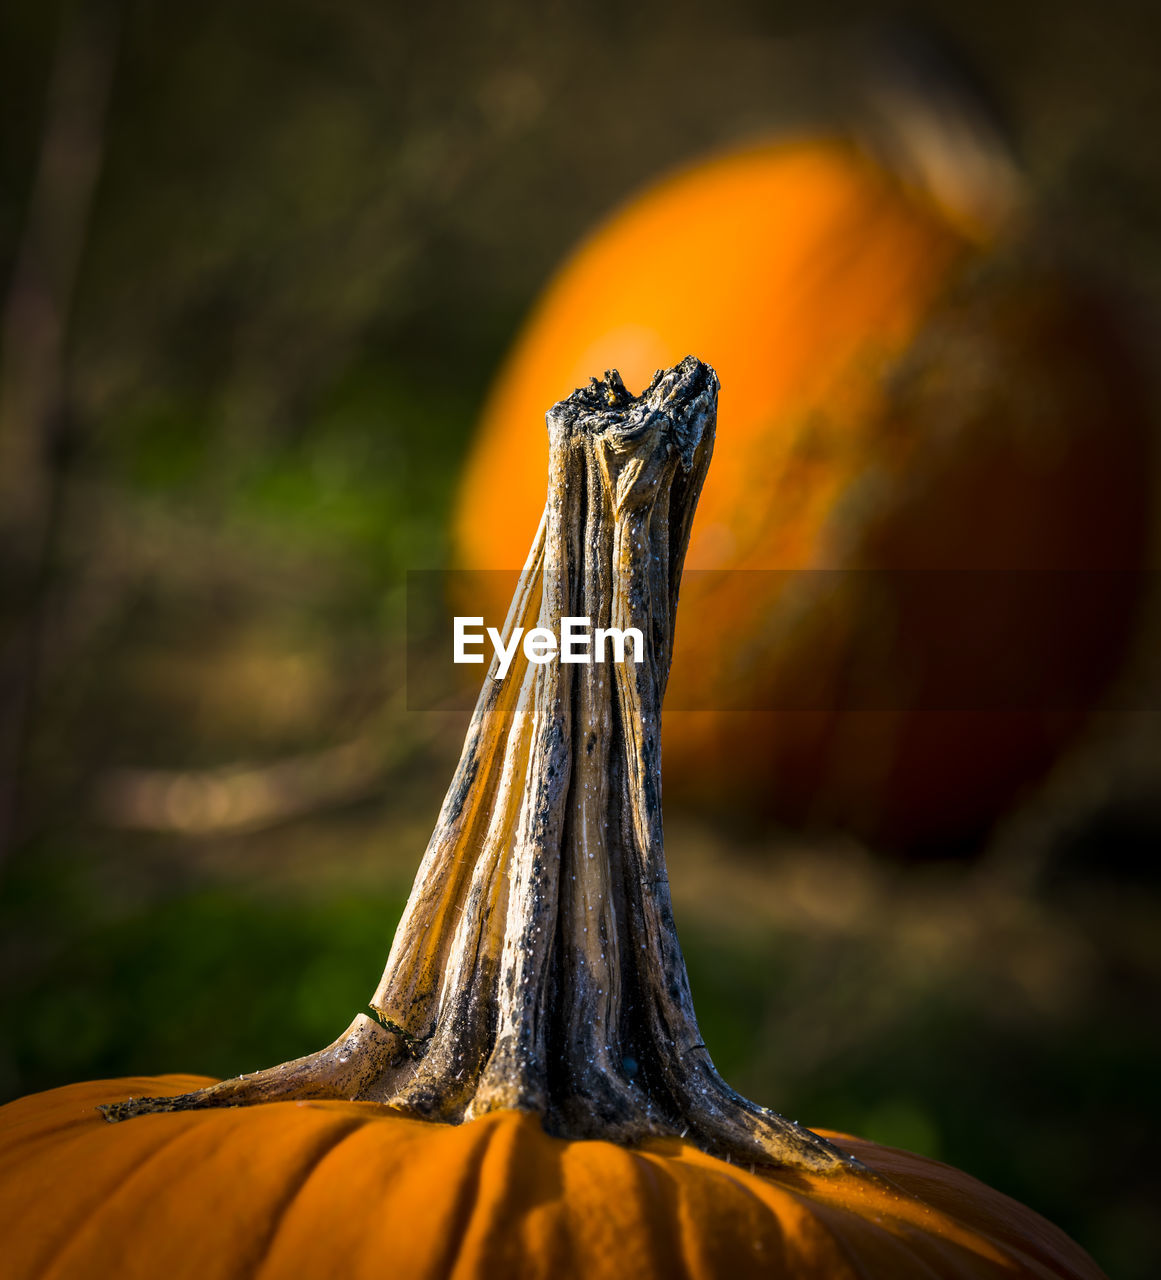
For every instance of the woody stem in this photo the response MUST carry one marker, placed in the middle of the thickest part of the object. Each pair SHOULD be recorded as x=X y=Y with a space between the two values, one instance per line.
x=537 y=964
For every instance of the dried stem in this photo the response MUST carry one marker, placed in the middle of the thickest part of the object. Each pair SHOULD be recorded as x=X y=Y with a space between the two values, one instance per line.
x=537 y=964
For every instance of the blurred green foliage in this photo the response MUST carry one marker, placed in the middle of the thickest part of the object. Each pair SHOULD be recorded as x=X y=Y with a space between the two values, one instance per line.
x=216 y=981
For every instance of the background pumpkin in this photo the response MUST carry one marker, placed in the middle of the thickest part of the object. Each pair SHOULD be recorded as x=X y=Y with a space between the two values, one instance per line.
x=909 y=387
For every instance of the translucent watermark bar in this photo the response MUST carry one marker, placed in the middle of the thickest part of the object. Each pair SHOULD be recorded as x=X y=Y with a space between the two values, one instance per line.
x=819 y=640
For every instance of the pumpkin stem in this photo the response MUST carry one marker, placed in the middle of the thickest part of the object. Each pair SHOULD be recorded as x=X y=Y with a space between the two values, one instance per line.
x=537 y=965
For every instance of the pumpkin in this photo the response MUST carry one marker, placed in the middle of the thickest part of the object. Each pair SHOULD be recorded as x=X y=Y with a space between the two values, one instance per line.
x=347 y=1189
x=931 y=498
x=533 y=1097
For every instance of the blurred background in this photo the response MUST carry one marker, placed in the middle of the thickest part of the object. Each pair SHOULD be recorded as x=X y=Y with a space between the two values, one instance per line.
x=258 y=264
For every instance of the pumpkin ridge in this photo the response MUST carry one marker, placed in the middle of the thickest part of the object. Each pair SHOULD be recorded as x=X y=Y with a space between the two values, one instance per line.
x=723 y=1172
x=73 y=1239
x=467 y=1197
x=1037 y=1246
x=898 y=1230
x=310 y=1168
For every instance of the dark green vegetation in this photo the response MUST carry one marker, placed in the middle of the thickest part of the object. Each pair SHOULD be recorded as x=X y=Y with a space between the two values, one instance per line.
x=313 y=230
x=954 y=1011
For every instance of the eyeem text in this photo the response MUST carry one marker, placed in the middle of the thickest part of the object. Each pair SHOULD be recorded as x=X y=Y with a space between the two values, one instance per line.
x=579 y=641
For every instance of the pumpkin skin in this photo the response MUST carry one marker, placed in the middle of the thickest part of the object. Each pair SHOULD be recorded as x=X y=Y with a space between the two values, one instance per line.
x=352 y=1190
x=894 y=401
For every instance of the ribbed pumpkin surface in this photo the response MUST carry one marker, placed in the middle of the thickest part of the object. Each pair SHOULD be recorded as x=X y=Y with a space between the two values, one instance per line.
x=322 y=1190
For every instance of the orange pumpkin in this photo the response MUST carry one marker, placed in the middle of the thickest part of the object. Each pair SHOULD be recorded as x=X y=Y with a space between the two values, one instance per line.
x=343 y=1189
x=535 y=1097
x=906 y=389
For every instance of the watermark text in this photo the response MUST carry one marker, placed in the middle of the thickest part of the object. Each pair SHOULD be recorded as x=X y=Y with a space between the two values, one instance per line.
x=579 y=642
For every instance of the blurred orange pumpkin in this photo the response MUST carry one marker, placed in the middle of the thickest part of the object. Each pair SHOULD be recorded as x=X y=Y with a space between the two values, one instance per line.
x=906 y=391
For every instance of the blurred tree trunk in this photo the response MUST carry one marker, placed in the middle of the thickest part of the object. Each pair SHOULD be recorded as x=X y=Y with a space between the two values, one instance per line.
x=34 y=396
